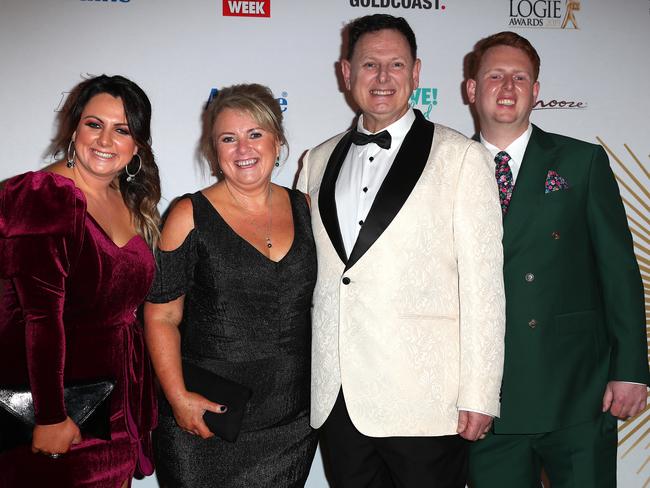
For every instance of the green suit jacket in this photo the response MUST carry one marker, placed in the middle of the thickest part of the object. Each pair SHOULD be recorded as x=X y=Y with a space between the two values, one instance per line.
x=575 y=316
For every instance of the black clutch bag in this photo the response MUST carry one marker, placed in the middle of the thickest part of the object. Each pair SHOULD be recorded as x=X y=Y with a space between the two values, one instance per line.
x=220 y=390
x=86 y=404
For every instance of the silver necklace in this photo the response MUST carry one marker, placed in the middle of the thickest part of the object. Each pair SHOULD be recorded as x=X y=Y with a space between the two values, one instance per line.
x=251 y=222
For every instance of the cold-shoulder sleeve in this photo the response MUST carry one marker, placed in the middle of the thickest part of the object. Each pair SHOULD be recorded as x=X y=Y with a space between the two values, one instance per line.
x=174 y=271
x=41 y=233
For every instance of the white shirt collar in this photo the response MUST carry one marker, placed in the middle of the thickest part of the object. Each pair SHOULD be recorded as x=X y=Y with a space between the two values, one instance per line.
x=516 y=149
x=397 y=129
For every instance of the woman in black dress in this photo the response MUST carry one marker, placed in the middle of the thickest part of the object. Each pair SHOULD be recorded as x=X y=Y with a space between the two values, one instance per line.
x=236 y=271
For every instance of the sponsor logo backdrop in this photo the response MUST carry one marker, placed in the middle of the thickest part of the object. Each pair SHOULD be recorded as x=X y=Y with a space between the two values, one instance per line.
x=593 y=84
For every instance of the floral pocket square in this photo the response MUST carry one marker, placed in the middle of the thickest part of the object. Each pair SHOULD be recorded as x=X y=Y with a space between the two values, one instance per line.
x=555 y=182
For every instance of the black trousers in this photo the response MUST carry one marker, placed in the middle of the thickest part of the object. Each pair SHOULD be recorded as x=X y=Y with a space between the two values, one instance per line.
x=354 y=460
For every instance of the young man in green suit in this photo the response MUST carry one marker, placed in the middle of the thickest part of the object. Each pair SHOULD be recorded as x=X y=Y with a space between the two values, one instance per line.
x=576 y=353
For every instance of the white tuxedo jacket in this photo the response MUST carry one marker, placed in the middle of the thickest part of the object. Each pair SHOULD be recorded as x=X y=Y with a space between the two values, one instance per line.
x=411 y=324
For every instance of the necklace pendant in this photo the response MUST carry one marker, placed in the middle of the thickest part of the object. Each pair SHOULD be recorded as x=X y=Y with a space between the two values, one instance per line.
x=268 y=244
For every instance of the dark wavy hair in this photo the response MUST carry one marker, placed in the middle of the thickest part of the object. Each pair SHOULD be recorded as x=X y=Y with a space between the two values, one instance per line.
x=377 y=22
x=505 y=38
x=142 y=194
x=255 y=100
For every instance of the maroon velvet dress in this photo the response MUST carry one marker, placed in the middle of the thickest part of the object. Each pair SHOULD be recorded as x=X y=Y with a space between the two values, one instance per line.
x=68 y=314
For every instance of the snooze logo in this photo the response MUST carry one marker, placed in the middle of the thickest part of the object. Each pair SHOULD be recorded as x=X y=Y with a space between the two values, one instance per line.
x=247 y=8
x=558 y=104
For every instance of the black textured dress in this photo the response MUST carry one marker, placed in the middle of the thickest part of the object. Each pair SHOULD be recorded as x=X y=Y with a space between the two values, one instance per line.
x=246 y=318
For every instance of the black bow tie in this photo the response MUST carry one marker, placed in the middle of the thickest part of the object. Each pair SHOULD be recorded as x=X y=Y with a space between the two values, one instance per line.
x=382 y=139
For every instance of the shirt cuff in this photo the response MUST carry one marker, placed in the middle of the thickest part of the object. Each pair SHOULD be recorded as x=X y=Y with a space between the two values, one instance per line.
x=475 y=411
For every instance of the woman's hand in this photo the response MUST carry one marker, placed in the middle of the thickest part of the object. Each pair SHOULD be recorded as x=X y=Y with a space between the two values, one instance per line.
x=55 y=438
x=188 y=410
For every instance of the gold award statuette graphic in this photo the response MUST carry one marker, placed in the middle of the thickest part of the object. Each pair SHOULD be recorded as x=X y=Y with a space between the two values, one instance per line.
x=569 y=16
x=634 y=433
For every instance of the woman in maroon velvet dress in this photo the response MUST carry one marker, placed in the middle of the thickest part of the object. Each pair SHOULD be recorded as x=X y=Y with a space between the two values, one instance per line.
x=75 y=256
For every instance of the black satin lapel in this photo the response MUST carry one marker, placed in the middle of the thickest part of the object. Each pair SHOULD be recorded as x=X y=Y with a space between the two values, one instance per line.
x=326 y=196
x=529 y=187
x=397 y=186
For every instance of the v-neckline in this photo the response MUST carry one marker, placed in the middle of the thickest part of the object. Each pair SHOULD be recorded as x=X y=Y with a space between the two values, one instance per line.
x=108 y=238
x=88 y=214
x=248 y=243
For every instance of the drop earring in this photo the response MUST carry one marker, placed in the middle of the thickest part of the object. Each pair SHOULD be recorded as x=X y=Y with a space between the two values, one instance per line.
x=131 y=176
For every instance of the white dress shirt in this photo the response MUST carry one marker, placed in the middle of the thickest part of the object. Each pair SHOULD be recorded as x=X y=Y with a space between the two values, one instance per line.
x=361 y=176
x=515 y=150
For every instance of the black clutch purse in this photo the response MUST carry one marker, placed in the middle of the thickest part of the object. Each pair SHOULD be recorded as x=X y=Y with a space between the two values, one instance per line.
x=220 y=390
x=86 y=404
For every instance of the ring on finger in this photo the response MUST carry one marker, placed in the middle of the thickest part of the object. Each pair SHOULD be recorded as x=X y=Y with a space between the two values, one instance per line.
x=53 y=455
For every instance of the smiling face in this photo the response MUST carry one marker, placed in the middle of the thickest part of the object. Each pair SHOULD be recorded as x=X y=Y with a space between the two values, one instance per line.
x=381 y=76
x=102 y=141
x=246 y=152
x=504 y=92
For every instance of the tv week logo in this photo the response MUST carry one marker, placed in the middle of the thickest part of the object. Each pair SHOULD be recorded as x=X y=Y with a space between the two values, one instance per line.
x=247 y=8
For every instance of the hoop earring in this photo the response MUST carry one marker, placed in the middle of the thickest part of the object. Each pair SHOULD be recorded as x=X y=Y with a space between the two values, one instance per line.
x=131 y=176
x=277 y=161
x=70 y=159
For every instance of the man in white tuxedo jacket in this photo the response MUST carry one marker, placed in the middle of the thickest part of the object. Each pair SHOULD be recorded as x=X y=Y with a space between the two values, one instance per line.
x=408 y=317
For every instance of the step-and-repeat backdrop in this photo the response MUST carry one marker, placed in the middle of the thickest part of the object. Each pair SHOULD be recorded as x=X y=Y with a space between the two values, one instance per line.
x=594 y=85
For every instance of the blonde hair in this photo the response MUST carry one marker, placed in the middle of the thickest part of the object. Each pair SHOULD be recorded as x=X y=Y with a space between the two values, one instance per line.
x=255 y=100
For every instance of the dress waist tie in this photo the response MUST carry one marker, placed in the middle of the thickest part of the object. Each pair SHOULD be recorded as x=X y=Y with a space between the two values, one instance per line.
x=141 y=409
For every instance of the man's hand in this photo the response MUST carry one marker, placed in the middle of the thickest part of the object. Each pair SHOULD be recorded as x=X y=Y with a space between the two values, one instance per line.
x=624 y=400
x=473 y=425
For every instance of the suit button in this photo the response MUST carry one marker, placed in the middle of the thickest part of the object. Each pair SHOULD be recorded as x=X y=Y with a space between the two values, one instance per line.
x=555 y=235
x=346 y=281
x=529 y=277
x=532 y=324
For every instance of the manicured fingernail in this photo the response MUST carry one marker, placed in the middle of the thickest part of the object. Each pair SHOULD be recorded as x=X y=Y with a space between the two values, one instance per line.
x=223 y=408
